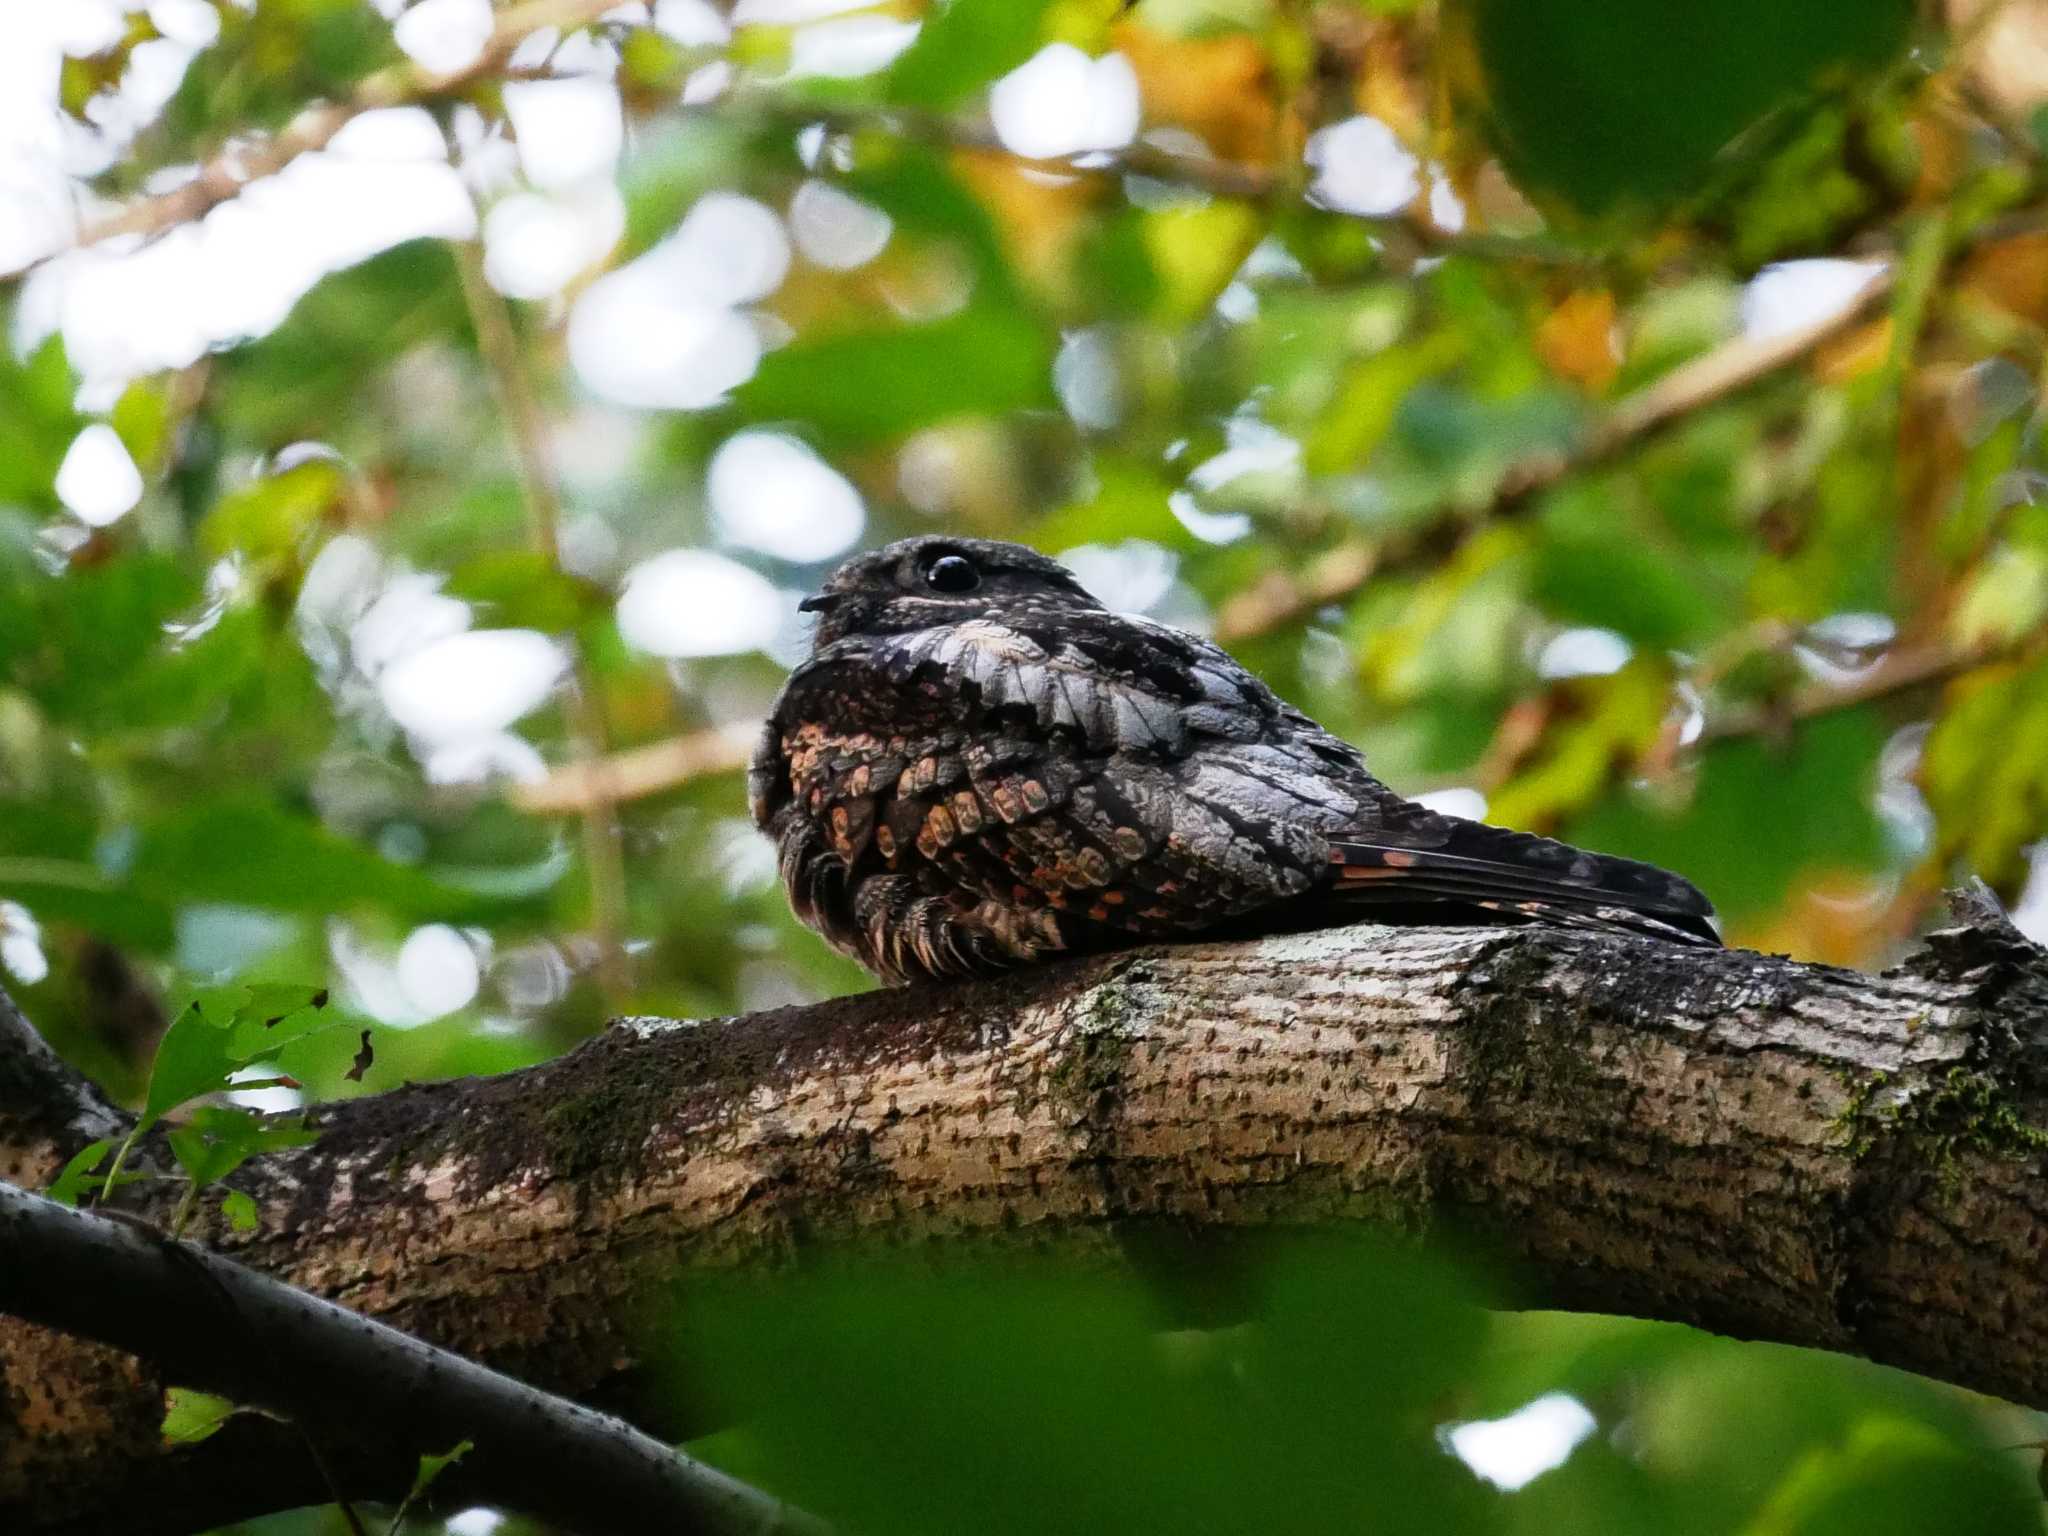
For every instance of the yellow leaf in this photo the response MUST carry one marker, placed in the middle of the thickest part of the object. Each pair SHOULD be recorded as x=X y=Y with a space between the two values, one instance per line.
x=1195 y=247
x=1576 y=340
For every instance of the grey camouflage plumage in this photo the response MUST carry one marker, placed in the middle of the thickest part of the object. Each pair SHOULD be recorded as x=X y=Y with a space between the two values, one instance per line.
x=958 y=782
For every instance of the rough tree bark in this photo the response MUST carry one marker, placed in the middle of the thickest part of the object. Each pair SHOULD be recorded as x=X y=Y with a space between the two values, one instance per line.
x=1768 y=1149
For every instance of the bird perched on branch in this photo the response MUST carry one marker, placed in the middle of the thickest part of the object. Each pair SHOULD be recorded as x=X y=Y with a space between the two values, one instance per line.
x=980 y=766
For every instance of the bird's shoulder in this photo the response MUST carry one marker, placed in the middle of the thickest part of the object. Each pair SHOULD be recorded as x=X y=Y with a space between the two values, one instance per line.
x=1108 y=681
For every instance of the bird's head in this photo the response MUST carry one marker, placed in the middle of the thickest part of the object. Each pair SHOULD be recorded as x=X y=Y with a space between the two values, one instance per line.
x=933 y=579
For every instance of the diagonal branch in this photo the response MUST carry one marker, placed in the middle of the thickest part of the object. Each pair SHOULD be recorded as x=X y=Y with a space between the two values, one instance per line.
x=206 y=1322
x=1735 y=365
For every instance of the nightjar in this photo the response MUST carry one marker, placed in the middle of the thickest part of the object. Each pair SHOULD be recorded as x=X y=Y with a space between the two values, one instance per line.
x=980 y=766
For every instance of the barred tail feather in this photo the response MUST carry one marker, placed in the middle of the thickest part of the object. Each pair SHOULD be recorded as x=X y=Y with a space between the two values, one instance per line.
x=1418 y=857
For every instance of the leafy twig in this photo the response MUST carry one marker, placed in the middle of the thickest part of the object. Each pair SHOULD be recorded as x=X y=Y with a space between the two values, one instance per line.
x=342 y=1375
x=1727 y=369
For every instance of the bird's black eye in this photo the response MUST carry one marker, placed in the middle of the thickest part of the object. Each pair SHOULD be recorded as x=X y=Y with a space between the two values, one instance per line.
x=952 y=573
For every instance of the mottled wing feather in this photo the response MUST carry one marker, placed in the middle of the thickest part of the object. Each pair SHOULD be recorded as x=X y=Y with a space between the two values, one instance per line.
x=1416 y=855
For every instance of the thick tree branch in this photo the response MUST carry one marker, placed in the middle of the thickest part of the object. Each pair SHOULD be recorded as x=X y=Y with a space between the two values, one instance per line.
x=1768 y=1149
x=46 y=1109
x=206 y=1322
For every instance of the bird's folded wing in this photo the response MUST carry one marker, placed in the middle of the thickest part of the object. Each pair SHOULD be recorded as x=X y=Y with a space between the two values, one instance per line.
x=1415 y=855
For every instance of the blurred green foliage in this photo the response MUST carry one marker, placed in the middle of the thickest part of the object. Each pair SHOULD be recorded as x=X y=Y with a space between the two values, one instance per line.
x=1789 y=643
x=1048 y=1392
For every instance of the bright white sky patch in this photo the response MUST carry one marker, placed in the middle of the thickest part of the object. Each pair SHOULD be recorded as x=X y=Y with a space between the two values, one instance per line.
x=846 y=50
x=471 y=684
x=568 y=130
x=1061 y=102
x=2030 y=912
x=1263 y=458
x=1361 y=168
x=445 y=35
x=410 y=612
x=1087 y=380
x=84 y=26
x=390 y=133
x=834 y=230
x=1446 y=208
x=535 y=243
x=693 y=23
x=633 y=342
x=689 y=602
x=265 y=1101
x=35 y=194
x=98 y=481
x=662 y=331
x=1130 y=577
x=1788 y=296
x=1584 y=652
x=1457 y=801
x=1516 y=1450
x=191 y=22
x=21 y=944
x=770 y=492
x=729 y=250
x=437 y=970
x=125 y=311
x=708 y=83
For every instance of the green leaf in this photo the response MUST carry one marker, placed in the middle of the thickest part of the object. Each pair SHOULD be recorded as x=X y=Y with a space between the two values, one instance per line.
x=1606 y=103
x=1653 y=597
x=1896 y=1475
x=875 y=385
x=915 y=188
x=1990 y=801
x=214 y=1142
x=962 y=47
x=71 y=1182
x=1017 y=1397
x=431 y=1467
x=189 y=1416
x=305 y=379
x=255 y=855
x=37 y=423
x=141 y=419
x=274 y=515
x=524 y=589
x=1763 y=815
x=220 y=1030
x=240 y=1211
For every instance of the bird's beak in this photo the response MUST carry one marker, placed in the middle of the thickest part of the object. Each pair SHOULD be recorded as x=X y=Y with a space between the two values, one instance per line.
x=819 y=602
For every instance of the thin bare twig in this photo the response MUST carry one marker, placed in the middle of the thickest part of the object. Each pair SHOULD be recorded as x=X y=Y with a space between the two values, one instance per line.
x=638 y=772
x=527 y=429
x=1900 y=671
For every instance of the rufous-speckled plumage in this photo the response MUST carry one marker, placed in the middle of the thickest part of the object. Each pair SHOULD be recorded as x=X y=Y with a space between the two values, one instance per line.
x=980 y=766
